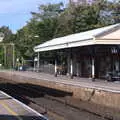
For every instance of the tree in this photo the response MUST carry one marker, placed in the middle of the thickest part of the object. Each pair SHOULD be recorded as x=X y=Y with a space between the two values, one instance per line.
x=48 y=11
x=116 y=11
x=6 y=50
x=53 y=20
x=87 y=16
x=42 y=24
x=7 y=33
x=47 y=19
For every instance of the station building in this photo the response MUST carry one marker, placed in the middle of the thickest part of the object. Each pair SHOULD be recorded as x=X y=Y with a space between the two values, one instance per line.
x=90 y=54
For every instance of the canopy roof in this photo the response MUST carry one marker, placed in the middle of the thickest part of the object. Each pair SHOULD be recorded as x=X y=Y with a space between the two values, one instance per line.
x=79 y=39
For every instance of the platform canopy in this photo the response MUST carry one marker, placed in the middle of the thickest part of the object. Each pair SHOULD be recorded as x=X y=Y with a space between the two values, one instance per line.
x=109 y=35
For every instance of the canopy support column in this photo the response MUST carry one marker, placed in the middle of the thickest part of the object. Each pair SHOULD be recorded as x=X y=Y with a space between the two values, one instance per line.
x=71 y=66
x=93 y=68
x=55 y=68
x=93 y=63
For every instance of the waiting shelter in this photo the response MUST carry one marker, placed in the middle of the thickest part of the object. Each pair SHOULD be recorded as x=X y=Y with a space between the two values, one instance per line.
x=92 y=54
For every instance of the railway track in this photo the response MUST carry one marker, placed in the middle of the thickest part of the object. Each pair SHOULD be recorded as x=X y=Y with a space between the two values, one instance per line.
x=52 y=104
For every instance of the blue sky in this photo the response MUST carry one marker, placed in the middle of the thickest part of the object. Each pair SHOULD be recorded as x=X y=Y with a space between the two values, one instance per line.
x=15 y=13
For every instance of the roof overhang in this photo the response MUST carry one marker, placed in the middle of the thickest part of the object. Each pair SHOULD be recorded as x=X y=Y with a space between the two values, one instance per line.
x=109 y=35
x=79 y=43
x=65 y=45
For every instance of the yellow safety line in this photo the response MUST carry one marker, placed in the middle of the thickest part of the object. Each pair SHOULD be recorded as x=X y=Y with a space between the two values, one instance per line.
x=10 y=110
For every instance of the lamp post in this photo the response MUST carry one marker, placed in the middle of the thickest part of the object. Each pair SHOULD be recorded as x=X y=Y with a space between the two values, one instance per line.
x=36 y=59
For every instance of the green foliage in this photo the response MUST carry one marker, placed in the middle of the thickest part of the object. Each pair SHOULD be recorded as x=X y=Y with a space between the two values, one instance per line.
x=85 y=17
x=53 y=20
x=39 y=29
x=6 y=55
x=1 y=55
x=7 y=34
x=48 y=11
x=116 y=11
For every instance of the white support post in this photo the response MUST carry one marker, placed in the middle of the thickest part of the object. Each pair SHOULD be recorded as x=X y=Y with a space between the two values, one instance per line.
x=55 y=68
x=71 y=68
x=93 y=68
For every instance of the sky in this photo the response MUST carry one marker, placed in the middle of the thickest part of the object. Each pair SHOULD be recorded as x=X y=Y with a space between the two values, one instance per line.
x=15 y=13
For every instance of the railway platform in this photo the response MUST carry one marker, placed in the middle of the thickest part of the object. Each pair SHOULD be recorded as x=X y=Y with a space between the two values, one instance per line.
x=12 y=109
x=99 y=92
x=37 y=78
